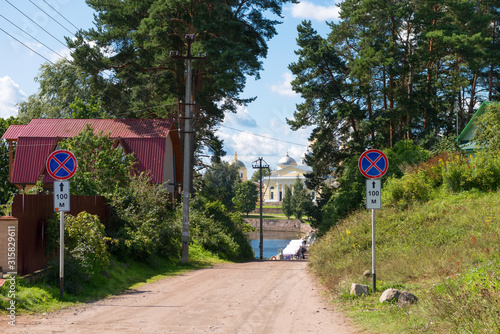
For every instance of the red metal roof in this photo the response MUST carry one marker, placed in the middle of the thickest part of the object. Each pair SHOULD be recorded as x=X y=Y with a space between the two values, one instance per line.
x=146 y=138
x=117 y=128
x=30 y=158
x=13 y=131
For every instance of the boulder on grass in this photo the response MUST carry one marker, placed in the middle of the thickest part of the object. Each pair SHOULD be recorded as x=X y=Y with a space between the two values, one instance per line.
x=389 y=295
x=406 y=298
x=359 y=289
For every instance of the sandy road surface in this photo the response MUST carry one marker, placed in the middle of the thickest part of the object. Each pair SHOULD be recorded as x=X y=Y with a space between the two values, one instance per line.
x=256 y=297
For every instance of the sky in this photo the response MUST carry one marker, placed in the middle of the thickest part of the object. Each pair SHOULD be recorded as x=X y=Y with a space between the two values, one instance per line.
x=32 y=33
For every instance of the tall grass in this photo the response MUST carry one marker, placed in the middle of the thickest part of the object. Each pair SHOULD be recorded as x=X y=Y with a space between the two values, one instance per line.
x=443 y=247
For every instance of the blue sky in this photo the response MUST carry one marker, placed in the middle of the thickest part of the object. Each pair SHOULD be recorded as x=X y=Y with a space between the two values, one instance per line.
x=256 y=130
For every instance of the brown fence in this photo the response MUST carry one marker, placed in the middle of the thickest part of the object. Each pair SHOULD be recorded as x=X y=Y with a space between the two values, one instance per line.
x=33 y=213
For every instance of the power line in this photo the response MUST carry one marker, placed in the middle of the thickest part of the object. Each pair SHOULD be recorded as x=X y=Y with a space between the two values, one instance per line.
x=257 y=135
x=15 y=25
x=20 y=11
x=27 y=47
x=55 y=10
x=51 y=17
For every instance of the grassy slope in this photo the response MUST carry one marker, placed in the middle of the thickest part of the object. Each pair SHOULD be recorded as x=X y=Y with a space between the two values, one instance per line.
x=445 y=251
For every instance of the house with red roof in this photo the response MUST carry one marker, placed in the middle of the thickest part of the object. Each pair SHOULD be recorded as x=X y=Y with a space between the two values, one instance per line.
x=154 y=142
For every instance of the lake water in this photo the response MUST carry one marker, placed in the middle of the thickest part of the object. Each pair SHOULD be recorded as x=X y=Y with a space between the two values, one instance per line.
x=273 y=241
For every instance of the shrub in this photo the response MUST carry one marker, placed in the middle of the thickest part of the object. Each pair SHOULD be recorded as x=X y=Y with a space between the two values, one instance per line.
x=219 y=231
x=85 y=250
x=84 y=241
x=144 y=221
x=405 y=153
x=407 y=190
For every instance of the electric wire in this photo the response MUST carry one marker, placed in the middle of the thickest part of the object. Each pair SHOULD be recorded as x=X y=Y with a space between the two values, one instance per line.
x=20 y=11
x=27 y=46
x=62 y=57
x=18 y=27
x=55 y=10
x=51 y=17
x=263 y=136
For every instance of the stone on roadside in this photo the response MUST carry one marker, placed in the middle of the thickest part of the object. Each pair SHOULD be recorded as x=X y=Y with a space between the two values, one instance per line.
x=367 y=273
x=406 y=298
x=389 y=295
x=359 y=289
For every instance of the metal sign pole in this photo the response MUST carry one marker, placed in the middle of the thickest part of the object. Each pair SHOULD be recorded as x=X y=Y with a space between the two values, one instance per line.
x=373 y=164
x=373 y=253
x=61 y=254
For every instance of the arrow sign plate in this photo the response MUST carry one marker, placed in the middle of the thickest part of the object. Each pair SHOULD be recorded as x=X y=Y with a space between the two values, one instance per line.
x=61 y=196
x=373 y=194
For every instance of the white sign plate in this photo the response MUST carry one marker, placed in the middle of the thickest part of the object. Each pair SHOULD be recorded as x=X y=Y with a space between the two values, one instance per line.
x=61 y=196
x=373 y=194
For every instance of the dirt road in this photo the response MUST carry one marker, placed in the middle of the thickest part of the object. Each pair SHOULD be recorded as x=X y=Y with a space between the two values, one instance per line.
x=256 y=297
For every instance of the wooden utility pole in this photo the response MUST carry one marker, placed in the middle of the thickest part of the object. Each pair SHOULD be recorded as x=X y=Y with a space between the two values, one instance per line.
x=188 y=131
x=260 y=166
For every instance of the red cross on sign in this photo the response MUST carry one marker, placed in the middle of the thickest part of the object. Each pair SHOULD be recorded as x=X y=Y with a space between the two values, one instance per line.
x=373 y=164
x=61 y=165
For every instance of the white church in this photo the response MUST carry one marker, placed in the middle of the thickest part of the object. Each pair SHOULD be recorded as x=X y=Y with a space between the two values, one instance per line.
x=284 y=177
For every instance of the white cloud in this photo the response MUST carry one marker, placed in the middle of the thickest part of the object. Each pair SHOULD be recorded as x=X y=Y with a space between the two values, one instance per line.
x=284 y=87
x=64 y=52
x=241 y=117
x=310 y=11
x=10 y=94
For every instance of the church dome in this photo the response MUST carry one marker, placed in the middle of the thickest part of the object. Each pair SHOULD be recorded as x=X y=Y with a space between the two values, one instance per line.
x=237 y=162
x=304 y=156
x=287 y=161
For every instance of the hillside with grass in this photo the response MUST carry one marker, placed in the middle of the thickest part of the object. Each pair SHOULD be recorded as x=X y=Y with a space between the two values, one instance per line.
x=437 y=236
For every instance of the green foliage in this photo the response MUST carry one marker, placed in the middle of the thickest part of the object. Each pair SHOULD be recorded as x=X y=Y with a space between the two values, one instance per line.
x=86 y=253
x=86 y=110
x=346 y=198
x=487 y=135
x=301 y=201
x=453 y=171
x=65 y=92
x=143 y=221
x=6 y=188
x=367 y=84
x=102 y=168
x=286 y=205
x=256 y=175
x=220 y=183
x=84 y=241
x=407 y=190
x=446 y=144
x=403 y=154
x=219 y=231
x=246 y=197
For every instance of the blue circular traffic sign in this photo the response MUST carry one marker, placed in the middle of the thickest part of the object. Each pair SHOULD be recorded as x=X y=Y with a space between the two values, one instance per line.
x=373 y=164
x=61 y=164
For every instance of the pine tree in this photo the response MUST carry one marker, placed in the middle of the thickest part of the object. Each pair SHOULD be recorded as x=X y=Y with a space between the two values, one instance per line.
x=286 y=205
